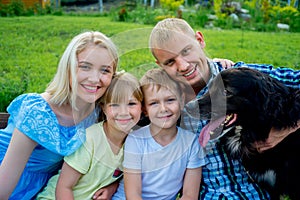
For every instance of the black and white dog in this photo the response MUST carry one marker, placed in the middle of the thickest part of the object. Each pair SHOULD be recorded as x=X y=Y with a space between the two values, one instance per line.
x=243 y=105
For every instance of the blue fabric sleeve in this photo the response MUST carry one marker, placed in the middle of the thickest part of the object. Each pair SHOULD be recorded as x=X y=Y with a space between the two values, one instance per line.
x=33 y=116
x=287 y=76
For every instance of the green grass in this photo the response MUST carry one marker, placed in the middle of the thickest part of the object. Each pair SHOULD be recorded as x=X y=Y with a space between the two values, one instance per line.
x=31 y=48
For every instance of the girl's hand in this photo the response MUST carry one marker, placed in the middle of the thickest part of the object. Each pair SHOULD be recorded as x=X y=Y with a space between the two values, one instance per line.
x=107 y=192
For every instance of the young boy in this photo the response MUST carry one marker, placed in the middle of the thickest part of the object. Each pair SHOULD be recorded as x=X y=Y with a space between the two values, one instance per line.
x=161 y=159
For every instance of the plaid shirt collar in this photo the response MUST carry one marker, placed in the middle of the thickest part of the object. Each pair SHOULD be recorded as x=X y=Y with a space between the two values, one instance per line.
x=215 y=68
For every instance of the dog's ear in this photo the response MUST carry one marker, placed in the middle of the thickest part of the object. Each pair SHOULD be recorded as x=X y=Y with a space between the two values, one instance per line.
x=230 y=119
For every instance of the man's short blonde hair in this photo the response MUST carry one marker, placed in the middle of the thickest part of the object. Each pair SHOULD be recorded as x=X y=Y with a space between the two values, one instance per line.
x=168 y=29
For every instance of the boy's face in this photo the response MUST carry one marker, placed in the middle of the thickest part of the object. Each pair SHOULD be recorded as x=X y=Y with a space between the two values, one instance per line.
x=162 y=107
x=183 y=58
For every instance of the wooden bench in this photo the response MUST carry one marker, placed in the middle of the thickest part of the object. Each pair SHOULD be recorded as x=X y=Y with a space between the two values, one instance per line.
x=3 y=119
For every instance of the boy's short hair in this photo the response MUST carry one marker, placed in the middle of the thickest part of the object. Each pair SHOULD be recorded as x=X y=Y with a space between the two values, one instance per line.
x=157 y=78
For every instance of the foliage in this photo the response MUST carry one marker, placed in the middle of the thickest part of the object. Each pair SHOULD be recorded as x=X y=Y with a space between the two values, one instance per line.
x=29 y=55
x=199 y=18
x=139 y=13
x=171 y=4
x=14 y=8
x=17 y=8
x=266 y=14
x=217 y=8
x=288 y=15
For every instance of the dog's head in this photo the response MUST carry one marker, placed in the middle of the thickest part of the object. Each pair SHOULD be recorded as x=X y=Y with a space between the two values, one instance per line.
x=249 y=102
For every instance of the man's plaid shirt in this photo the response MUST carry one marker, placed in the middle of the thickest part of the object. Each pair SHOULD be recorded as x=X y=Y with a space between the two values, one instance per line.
x=222 y=177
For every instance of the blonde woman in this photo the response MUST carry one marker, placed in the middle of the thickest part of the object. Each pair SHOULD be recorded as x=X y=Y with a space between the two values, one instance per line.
x=43 y=128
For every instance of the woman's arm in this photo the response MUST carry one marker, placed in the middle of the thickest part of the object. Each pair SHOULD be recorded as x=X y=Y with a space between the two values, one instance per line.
x=191 y=184
x=132 y=185
x=13 y=164
x=68 y=178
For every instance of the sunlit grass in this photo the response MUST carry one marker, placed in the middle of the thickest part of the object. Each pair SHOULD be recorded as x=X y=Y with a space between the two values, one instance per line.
x=31 y=48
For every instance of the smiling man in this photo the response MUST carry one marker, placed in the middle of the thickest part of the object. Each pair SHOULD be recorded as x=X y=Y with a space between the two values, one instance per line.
x=178 y=49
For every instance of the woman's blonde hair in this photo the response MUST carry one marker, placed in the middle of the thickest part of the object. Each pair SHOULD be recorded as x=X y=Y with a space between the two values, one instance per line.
x=167 y=29
x=60 y=87
x=122 y=86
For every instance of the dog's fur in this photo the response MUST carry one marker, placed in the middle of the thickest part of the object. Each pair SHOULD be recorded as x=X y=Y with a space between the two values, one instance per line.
x=259 y=103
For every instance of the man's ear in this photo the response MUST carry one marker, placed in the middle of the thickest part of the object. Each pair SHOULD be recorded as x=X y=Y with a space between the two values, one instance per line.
x=158 y=63
x=200 y=38
x=230 y=119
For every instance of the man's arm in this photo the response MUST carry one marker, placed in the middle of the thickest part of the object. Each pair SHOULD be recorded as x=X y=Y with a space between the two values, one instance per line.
x=287 y=76
x=224 y=62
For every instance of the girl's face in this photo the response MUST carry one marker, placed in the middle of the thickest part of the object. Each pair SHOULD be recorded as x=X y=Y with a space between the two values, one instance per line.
x=123 y=116
x=162 y=107
x=94 y=73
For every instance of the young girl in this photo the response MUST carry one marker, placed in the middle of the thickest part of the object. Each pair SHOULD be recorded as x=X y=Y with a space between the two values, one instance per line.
x=97 y=163
x=43 y=128
x=161 y=159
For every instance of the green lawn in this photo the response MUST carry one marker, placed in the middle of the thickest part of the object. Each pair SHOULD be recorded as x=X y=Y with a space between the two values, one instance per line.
x=31 y=47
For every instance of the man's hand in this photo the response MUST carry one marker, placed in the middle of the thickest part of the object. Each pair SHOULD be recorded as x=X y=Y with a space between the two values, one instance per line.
x=224 y=62
x=275 y=137
x=107 y=192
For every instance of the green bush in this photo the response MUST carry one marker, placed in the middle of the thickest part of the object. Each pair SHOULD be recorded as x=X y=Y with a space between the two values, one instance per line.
x=197 y=18
x=14 y=8
x=171 y=4
x=265 y=14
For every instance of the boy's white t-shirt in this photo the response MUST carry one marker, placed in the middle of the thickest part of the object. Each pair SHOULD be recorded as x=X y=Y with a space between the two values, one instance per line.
x=162 y=167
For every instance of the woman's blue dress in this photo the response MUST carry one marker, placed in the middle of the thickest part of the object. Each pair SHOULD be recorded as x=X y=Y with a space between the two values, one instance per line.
x=33 y=116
